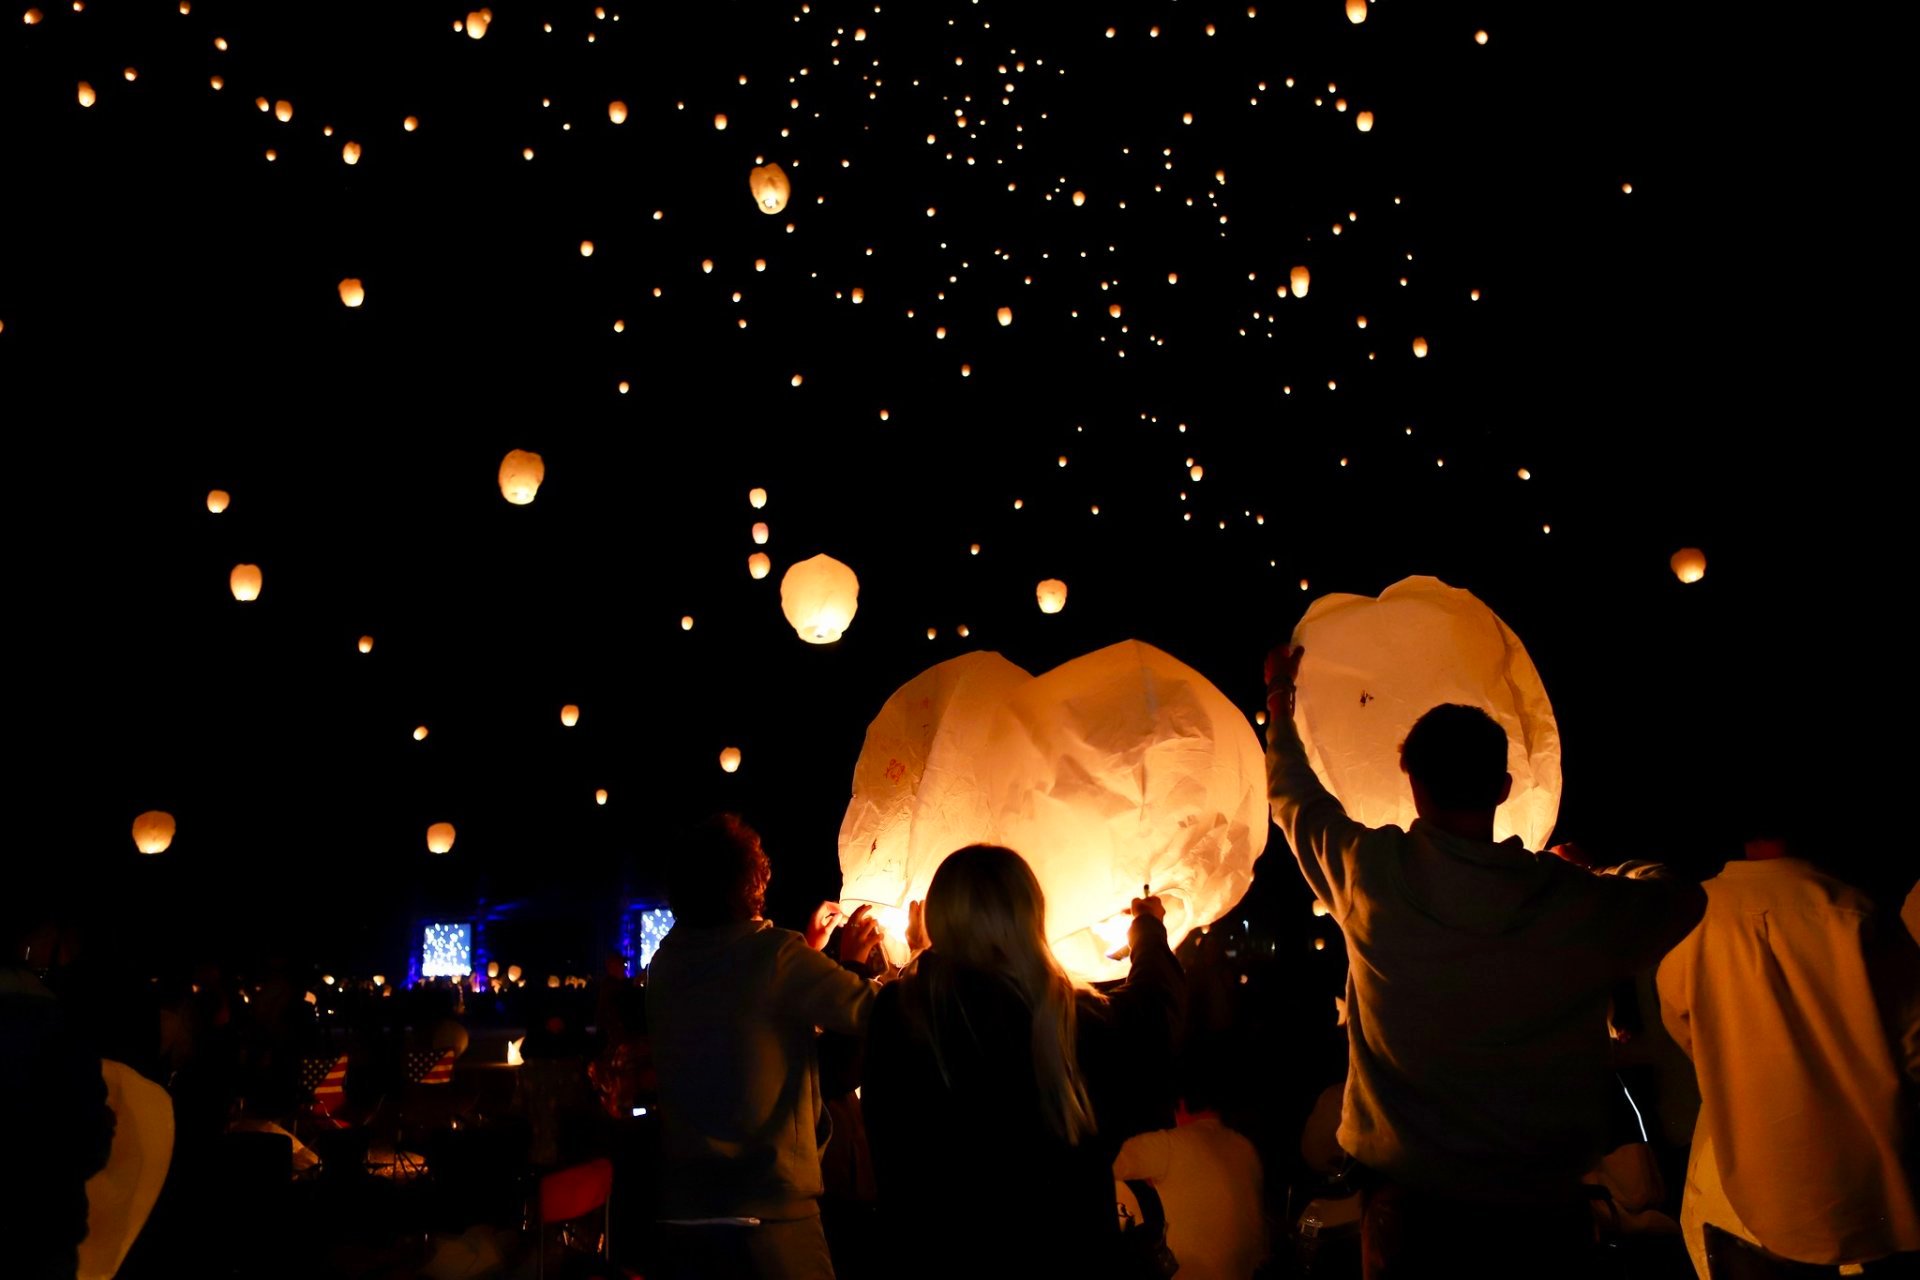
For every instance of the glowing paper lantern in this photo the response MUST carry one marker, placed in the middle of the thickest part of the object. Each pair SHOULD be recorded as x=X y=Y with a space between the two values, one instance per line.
x=440 y=837
x=1689 y=564
x=1005 y=316
x=1299 y=280
x=86 y=94
x=570 y=715
x=410 y=123
x=1121 y=768
x=1079 y=198
x=283 y=111
x=586 y=246
x=617 y=111
x=686 y=622
x=366 y=644
x=217 y=500
x=1373 y=667
x=1051 y=595
x=1364 y=122
x=756 y=498
x=420 y=733
x=600 y=796
x=730 y=759
x=770 y=187
x=819 y=597
x=477 y=23
x=720 y=120
x=350 y=153
x=352 y=293
x=244 y=582
x=1356 y=11
x=513 y=973
x=153 y=831
x=122 y=1194
x=760 y=533
x=521 y=473
x=1420 y=348
x=758 y=565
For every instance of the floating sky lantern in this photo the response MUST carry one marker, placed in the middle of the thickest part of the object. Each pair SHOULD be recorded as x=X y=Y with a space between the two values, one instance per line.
x=513 y=973
x=730 y=759
x=756 y=498
x=1420 y=348
x=1005 y=316
x=1374 y=666
x=153 y=831
x=85 y=94
x=521 y=473
x=720 y=120
x=366 y=644
x=1051 y=595
x=770 y=187
x=819 y=597
x=1356 y=11
x=440 y=837
x=352 y=292
x=1079 y=198
x=586 y=246
x=1364 y=122
x=244 y=582
x=760 y=533
x=410 y=123
x=33 y=17
x=1196 y=471
x=419 y=733
x=477 y=23
x=759 y=565
x=570 y=715
x=617 y=111
x=1689 y=564
x=686 y=622
x=350 y=153
x=600 y=796
x=1299 y=280
x=283 y=111
x=1480 y=37
x=218 y=500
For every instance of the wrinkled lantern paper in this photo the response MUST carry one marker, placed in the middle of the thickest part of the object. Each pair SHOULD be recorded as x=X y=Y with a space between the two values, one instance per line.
x=1373 y=667
x=1122 y=768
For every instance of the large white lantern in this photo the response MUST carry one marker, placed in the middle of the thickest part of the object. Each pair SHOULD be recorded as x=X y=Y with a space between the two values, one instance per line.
x=1373 y=667
x=1121 y=769
x=819 y=597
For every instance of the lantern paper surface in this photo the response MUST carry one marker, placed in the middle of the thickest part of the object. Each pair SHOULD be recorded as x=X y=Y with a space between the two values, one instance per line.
x=521 y=473
x=122 y=1194
x=153 y=831
x=440 y=837
x=1121 y=768
x=1051 y=595
x=244 y=582
x=819 y=597
x=1374 y=666
x=771 y=187
x=1689 y=564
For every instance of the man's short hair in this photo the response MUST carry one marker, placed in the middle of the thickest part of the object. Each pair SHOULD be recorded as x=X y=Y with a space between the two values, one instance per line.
x=718 y=873
x=1459 y=755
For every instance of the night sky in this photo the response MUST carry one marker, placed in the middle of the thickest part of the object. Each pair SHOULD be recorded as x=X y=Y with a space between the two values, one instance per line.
x=1671 y=367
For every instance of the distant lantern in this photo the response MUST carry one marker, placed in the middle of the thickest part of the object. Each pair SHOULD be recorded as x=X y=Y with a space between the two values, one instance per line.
x=770 y=187
x=33 y=17
x=720 y=120
x=756 y=498
x=553 y=981
x=1420 y=348
x=1298 y=280
x=1356 y=11
x=350 y=153
x=217 y=500
x=520 y=475
x=1480 y=37
x=1689 y=564
x=1196 y=471
x=86 y=94
x=1005 y=316
x=760 y=533
x=570 y=715
x=758 y=565
x=1113 y=309
x=366 y=644
x=513 y=973
x=1051 y=595
x=283 y=111
x=820 y=597
x=600 y=796
x=244 y=582
x=440 y=837
x=686 y=622
x=352 y=292
x=586 y=248
x=1319 y=908
x=617 y=111
x=419 y=733
x=410 y=123
x=153 y=831
x=1079 y=198
x=477 y=23
x=730 y=759
x=1364 y=122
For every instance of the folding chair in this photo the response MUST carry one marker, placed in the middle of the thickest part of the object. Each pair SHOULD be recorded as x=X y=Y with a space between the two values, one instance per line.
x=571 y=1194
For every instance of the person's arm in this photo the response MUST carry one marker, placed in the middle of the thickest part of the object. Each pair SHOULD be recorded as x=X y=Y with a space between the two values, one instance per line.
x=817 y=990
x=1650 y=908
x=1144 y=1155
x=1323 y=837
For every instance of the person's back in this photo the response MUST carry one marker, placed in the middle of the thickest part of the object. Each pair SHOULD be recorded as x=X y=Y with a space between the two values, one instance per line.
x=1210 y=1186
x=1804 y=1143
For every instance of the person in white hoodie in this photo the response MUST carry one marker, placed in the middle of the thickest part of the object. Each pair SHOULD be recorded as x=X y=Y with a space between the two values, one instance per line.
x=734 y=1006
x=1478 y=980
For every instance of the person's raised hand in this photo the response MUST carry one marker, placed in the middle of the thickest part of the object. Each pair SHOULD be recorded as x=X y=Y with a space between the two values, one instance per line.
x=1282 y=668
x=1142 y=910
x=1572 y=852
x=859 y=936
x=918 y=939
x=820 y=924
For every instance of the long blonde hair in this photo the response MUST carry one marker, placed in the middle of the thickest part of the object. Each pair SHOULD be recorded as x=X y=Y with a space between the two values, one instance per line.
x=985 y=910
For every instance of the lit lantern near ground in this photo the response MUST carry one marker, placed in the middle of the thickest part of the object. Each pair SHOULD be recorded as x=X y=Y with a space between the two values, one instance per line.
x=1005 y=316
x=1356 y=11
x=1364 y=122
x=1299 y=280
x=366 y=644
x=153 y=831
x=244 y=582
x=1121 y=768
x=1689 y=564
x=352 y=293
x=819 y=597
x=617 y=111
x=570 y=715
x=477 y=23
x=1051 y=595
x=758 y=565
x=770 y=187
x=730 y=759
x=521 y=473
x=1373 y=667
x=1420 y=348
x=760 y=533
x=217 y=500
x=600 y=796
x=513 y=973
x=756 y=498
x=419 y=733
x=85 y=94
x=440 y=837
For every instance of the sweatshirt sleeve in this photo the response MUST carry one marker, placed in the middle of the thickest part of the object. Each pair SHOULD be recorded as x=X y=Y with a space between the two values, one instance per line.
x=1325 y=840
x=818 y=991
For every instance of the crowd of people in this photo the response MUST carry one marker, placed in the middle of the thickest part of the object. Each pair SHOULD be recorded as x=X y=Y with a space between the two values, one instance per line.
x=975 y=1111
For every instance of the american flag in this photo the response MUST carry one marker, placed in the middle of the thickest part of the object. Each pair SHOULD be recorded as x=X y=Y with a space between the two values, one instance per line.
x=430 y=1066
x=327 y=1077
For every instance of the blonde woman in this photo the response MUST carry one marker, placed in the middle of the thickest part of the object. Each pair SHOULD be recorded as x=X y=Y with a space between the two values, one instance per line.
x=997 y=1092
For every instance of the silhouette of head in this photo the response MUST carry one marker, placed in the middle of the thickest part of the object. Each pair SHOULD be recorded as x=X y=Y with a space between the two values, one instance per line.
x=1456 y=759
x=718 y=874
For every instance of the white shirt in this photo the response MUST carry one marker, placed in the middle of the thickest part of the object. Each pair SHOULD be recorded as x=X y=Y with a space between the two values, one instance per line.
x=1209 y=1180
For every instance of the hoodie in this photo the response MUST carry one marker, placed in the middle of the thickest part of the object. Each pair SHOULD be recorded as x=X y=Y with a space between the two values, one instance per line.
x=733 y=1012
x=1477 y=988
